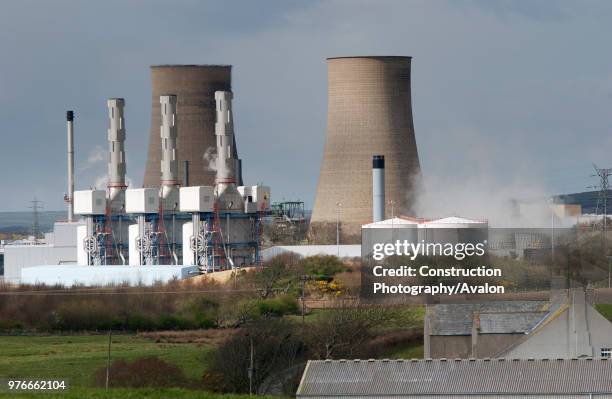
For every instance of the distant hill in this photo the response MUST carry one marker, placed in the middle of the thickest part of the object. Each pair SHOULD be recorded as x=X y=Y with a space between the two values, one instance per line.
x=21 y=222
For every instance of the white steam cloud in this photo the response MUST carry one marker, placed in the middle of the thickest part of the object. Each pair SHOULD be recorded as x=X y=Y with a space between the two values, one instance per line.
x=210 y=159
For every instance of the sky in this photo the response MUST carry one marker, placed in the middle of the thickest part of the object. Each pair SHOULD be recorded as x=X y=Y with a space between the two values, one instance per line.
x=511 y=97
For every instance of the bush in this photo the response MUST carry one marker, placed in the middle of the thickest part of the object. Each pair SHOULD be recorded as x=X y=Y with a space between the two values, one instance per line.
x=143 y=372
x=278 y=306
x=322 y=267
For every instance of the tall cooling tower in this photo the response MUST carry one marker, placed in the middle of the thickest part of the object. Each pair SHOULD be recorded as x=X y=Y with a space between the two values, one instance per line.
x=194 y=87
x=369 y=113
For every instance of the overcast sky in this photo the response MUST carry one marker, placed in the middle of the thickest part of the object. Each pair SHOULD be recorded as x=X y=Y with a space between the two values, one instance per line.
x=503 y=91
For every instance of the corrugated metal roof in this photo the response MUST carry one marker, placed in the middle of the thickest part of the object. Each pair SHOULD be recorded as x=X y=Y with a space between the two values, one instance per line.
x=456 y=319
x=452 y=377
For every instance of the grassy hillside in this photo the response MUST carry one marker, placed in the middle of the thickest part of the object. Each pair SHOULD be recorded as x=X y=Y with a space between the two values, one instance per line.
x=76 y=357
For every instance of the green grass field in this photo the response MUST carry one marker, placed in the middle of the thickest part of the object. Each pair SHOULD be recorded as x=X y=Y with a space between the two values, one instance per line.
x=88 y=393
x=605 y=309
x=76 y=357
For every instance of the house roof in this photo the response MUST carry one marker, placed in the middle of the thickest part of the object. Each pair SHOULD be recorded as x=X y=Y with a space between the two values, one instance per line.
x=495 y=317
x=509 y=322
x=385 y=378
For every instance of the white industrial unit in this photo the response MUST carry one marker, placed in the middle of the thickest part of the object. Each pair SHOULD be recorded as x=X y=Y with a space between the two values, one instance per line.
x=90 y=202
x=256 y=198
x=197 y=199
x=142 y=200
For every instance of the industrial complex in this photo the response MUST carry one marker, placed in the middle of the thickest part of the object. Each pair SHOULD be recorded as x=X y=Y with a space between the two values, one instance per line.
x=193 y=214
x=116 y=235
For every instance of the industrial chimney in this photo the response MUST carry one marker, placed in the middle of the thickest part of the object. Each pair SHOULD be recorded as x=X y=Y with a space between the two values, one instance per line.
x=70 y=155
x=169 y=156
x=378 y=188
x=369 y=112
x=194 y=87
x=116 y=150
x=225 y=183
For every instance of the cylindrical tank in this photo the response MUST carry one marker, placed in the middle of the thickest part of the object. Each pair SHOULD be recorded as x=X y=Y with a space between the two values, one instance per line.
x=369 y=112
x=454 y=230
x=378 y=187
x=194 y=87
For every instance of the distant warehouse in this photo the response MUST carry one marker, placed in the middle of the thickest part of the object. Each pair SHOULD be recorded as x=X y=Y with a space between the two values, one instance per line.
x=460 y=378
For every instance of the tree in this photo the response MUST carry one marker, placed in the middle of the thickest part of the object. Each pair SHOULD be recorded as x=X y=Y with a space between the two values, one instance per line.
x=276 y=348
x=344 y=332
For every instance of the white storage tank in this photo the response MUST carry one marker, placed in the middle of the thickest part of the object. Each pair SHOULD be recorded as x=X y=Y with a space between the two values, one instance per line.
x=388 y=231
x=454 y=229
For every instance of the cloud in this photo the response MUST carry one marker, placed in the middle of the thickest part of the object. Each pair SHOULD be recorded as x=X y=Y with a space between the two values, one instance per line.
x=95 y=157
x=519 y=76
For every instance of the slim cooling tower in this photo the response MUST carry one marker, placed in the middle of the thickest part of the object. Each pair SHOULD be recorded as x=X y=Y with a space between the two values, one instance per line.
x=194 y=87
x=369 y=113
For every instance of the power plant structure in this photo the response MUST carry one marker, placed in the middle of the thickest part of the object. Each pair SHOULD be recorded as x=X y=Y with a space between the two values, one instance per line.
x=213 y=227
x=176 y=225
x=194 y=87
x=369 y=113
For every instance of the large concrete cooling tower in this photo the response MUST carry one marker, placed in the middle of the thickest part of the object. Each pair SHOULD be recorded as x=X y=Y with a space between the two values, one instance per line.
x=194 y=87
x=369 y=113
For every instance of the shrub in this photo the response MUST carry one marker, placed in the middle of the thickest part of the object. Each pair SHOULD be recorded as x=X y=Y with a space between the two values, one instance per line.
x=278 y=306
x=143 y=372
x=322 y=267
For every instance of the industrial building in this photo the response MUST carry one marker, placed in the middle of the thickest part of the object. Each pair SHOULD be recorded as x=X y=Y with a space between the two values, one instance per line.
x=457 y=379
x=167 y=229
x=589 y=202
x=369 y=113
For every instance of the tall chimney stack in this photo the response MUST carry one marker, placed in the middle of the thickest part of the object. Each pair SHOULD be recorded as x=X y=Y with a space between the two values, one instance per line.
x=169 y=159
x=116 y=149
x=70 y=154
x=225 y=182
x=378 y=188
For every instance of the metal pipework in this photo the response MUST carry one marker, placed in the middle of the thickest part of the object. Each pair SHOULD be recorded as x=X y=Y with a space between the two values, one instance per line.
x=378 y=188
x=70 y=155
x=116 y=150
x=169 y=159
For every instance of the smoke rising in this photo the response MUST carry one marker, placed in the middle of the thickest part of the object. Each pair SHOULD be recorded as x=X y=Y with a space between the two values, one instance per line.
x=477 y=176
x=95 y=156
x=210 y=159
